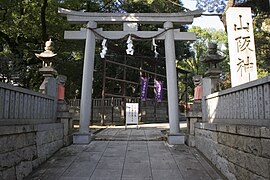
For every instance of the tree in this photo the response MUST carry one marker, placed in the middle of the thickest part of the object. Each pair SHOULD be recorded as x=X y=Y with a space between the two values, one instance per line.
x=212 y=6
x=142 y=48
x=199 y=48
x=220 y=6
x=26 y=25
x=152 y=6
x=261 y=16
x=17 y=36
x=24 y=28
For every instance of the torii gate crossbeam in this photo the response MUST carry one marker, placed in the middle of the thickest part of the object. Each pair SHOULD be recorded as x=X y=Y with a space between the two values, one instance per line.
x=91 y=33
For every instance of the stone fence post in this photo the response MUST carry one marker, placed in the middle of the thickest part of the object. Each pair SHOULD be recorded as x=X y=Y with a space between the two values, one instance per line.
x=198 y=112
x=193 y=116
x=206 y=90
x=195 y=113
x=63 y=114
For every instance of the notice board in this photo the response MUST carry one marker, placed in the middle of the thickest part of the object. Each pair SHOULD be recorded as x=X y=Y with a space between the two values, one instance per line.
x=132 y=113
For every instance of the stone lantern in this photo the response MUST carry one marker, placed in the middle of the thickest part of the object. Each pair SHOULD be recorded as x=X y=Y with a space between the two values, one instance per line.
x=212 y=59
x=47 y=70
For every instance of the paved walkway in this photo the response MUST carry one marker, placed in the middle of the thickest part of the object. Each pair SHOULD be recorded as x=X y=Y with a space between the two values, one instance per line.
x=132 y=154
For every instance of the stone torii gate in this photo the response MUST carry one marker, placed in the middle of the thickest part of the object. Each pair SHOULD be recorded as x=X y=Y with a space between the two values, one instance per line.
x=130 y=23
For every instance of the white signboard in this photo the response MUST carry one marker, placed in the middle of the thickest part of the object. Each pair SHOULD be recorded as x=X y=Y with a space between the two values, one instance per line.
x=132 y=113
x=241 y=45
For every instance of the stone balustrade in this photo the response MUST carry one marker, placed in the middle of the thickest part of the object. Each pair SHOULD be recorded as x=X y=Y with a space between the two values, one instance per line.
x=245 y=104
x=29 y=133
x=22 y=106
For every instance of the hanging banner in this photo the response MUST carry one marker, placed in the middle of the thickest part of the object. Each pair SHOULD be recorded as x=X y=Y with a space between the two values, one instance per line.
x=144 y=87
x=158 y=90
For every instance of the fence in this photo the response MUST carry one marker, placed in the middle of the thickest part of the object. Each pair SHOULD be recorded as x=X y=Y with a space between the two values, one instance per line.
x=22 y=106
x=113 y=110
x=245 y=104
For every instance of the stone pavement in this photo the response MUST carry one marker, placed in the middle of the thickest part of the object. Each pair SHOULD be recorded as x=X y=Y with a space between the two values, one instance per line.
x=132 y=154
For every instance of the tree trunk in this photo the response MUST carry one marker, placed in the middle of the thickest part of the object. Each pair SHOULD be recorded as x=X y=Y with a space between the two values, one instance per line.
x=43 y=20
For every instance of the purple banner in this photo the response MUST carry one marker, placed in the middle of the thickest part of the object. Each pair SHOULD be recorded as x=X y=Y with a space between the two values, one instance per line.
x=144 y=87
x=158 y=90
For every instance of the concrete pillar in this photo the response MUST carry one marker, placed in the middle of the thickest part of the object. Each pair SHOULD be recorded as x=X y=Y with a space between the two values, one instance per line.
x=193 y=116
x=206 y=90
x=174 y=137
x=51 y=90
x=84 y=135
x=51 y=87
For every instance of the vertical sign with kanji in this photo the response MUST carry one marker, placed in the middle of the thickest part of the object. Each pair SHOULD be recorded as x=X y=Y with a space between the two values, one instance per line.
x=241 y=45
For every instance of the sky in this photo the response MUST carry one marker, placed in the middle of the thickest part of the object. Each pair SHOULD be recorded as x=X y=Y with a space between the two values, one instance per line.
x=203 y=21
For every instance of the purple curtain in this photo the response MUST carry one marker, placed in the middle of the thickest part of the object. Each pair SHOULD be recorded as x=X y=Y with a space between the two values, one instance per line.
x=144 y=87
x=158 y=90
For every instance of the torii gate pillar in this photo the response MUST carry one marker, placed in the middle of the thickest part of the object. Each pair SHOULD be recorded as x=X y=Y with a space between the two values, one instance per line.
x=84 y=136
x=175 y=137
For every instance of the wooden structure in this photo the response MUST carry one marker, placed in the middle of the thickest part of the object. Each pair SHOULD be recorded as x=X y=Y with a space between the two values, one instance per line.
x=130 y=23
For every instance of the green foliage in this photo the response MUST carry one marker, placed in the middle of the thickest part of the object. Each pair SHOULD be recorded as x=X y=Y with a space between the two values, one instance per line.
x=262 y=38
x=199 y=48
x=116 y=49
x=23 y=32
x=152 y=6
x=261 y=6
x=18 y=29
x=26 y=25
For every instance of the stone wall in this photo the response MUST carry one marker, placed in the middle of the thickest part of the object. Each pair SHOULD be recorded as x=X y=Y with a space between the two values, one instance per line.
x=29 y=132
x=238 y=151
x=24 y=147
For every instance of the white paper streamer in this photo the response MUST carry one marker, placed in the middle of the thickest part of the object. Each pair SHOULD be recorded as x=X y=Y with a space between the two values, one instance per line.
x=130 y=49
x=155 y=47
x=104 y=48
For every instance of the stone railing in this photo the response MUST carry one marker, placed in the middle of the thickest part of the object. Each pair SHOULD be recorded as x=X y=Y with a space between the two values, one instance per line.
x=245 y=104
x=22 y=106
x=29 y=131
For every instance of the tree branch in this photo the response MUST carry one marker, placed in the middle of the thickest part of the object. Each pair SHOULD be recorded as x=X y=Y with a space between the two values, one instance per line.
x=11 y=43
x=174 y=3
x=4 y=14
x=105 y=5
x=43 y=20
x=5 y=37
